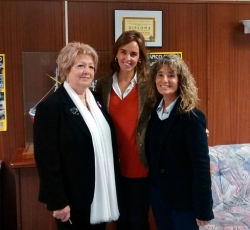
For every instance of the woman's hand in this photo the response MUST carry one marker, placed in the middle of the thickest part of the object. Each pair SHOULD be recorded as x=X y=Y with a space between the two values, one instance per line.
x=62 y=214
x=202 y=222
x=207 y=132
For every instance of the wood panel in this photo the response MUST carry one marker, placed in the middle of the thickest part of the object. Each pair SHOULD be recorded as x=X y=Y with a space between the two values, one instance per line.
x=207 y=32
x=164 y=1
x=228 y=75
x=185 y=30
x=24 y=26
x=88 y=23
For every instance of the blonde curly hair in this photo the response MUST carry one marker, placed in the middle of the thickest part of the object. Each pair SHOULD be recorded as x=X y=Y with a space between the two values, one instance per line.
x=188 y=91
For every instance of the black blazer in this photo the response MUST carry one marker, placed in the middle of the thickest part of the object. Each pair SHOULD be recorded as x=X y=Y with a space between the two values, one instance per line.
x=64 y=153
x=179 y=163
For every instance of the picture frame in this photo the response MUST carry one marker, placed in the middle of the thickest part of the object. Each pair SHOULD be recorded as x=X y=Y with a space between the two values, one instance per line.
x=148 y=22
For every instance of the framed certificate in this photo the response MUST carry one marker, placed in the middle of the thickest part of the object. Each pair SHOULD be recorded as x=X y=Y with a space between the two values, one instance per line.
x=149 y=23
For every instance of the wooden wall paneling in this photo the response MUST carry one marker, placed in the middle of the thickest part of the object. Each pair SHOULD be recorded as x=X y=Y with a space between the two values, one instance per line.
x=25 y=26
x=43 y=26
x=228 y=75
x=88 y=23
x=242 y=56
x=11 y=46
x=164 y=1
x=184 y=29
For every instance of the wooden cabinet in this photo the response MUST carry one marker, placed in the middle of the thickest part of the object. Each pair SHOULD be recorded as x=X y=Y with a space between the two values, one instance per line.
x=31 y=214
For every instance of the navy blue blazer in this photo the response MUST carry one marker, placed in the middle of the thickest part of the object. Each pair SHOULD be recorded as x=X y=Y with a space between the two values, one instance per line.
x=179 y=162
x=64 y=153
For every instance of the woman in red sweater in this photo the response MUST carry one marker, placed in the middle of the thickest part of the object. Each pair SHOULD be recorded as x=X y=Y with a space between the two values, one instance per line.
x=124 y=94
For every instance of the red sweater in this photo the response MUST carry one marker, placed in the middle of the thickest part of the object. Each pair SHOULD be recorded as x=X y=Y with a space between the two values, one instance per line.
x=124 y=114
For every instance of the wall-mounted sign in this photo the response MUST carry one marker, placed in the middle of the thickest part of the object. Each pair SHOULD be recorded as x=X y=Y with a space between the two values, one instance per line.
x=153 y=56
x=3 y=114
x=148 y=23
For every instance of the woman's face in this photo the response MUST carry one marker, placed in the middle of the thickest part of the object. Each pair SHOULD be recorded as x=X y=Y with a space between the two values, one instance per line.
x=82 y=72
x=167 y=82
x=128 y=55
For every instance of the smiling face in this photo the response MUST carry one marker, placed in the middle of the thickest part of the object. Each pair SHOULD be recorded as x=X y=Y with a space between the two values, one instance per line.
x=167 y=83
x=128 y=56
x=81 y=73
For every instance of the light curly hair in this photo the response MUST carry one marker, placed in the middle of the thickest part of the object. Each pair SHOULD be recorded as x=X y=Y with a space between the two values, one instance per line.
x=67 y=57
x=188 y=91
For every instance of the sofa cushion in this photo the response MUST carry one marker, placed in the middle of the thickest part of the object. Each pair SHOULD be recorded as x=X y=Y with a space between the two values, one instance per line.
x=225 y=221
x=216 y=180
x=230 y=187
x=234 y=164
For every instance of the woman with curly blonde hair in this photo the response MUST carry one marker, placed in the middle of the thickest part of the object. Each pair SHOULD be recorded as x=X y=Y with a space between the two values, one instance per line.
x=188 y=90
x=177 y=149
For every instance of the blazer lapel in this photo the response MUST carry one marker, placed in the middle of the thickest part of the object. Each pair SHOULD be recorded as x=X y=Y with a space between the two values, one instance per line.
x=141 y=95
x=107 y=91
x=72 y=111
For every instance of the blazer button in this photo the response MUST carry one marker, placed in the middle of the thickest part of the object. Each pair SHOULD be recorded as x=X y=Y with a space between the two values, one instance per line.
x=162 y=171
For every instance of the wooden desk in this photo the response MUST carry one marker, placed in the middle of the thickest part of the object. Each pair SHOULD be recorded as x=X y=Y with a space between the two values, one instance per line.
x=31 y=214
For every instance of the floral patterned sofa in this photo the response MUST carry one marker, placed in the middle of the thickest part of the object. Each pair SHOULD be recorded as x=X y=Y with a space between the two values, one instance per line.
x=231 y=187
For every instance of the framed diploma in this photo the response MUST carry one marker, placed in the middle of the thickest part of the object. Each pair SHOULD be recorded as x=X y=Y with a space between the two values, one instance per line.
x=149 y=23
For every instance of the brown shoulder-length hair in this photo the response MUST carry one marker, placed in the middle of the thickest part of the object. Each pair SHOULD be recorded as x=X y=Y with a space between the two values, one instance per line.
x=125 y=38
x=187 y=91
x=68 y=54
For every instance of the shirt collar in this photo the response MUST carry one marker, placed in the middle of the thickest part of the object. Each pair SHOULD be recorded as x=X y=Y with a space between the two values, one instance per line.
x=133 y=81
x=168 y=108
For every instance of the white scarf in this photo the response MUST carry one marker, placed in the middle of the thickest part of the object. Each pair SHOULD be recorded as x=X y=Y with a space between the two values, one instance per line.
x=104 y=207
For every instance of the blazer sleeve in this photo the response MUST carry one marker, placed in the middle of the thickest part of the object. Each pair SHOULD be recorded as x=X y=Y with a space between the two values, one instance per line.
x=46 y=152
x=198 y=152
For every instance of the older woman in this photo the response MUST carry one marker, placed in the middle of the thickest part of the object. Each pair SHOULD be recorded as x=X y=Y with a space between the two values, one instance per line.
x=74 y=147
x=177 y=150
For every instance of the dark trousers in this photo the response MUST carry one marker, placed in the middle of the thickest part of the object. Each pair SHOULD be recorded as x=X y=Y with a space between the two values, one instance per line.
x=133 y=201
x=80 y=221
x=167 y=219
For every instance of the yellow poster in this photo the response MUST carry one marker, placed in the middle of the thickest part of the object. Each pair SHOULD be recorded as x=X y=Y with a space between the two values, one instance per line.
x=3 y=114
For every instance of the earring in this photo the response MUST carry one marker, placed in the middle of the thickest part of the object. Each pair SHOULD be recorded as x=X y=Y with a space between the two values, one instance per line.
x=67 y=79
x=139 y=62
x=116 y=60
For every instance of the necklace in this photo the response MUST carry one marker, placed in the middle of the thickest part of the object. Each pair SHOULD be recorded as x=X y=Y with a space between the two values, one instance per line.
x=82 y=96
